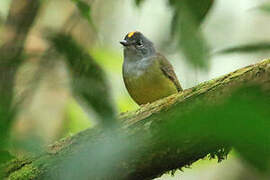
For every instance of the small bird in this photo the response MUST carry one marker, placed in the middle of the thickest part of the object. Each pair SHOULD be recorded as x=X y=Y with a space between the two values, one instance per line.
x=148 y=75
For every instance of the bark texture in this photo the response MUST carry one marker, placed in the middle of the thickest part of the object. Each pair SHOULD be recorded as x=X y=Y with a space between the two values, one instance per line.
x=142 y=148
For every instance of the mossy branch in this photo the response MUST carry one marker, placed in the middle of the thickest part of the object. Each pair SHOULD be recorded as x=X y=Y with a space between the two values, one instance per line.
x=146 y=145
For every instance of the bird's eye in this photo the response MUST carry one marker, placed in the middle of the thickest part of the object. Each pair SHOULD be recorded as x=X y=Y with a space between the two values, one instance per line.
x=139 y=44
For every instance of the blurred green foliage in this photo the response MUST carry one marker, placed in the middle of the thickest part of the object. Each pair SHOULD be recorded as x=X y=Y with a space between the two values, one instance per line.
x=103 y=156
x=249 y=123
x=6 y=119
x=242 y=121
x=88 y=79
x=247 y=48
x=198 y=9
x=11 y=51
x=84 y=9
x=188 y=15
x=265 y=7
x=139 y=2
x=8 y=66
x=5 y=156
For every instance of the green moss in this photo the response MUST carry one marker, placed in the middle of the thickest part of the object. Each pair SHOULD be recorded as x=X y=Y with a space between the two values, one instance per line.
x=27 y=172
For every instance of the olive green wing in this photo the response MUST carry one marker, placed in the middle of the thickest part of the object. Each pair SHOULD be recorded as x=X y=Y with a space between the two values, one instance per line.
x=168 y=71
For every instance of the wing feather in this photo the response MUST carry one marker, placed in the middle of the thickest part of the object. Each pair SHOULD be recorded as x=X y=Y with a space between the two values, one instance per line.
x=168 y=71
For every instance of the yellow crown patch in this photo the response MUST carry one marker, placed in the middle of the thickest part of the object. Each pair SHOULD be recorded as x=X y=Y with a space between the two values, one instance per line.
x=131 y=34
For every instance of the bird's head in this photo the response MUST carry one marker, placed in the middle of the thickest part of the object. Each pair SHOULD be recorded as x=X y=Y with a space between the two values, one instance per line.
x=137 y=46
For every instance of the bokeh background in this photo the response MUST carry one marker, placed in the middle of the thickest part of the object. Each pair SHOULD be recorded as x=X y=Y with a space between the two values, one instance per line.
x=52 y=112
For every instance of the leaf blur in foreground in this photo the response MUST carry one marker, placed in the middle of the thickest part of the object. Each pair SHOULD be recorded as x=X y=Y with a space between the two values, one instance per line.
x=265 y=7
x=188 y=15
x=199 y=9
x=139 y=2
x=20 y=19
x=88 y=79
x=84 y=9
x=6 y=118
x=249 y=124
x=242 y=122
x=104 y=157
x=5 y=156
x=247 y=48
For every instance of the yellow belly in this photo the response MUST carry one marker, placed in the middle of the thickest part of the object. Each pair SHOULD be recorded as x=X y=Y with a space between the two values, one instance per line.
x=149 y=86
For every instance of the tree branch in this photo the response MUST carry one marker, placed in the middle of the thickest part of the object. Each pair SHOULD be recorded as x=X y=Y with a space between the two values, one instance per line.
x=147 y=144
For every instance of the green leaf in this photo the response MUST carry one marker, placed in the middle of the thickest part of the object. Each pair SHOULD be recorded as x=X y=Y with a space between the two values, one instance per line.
x=241 y=121
x=5 y=156
x=249 y=124
x=192 y=42
x=198 y=9
x=85 y=10
x=247 y=48
x=139 y=2
x=88 y=79
x=8 y=68
x=188 y=15
x=265 y=7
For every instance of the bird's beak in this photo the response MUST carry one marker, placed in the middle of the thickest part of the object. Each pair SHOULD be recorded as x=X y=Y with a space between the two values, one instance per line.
x=124 y=43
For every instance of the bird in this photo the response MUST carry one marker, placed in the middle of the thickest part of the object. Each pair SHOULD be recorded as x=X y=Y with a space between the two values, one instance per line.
x=147 y=74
